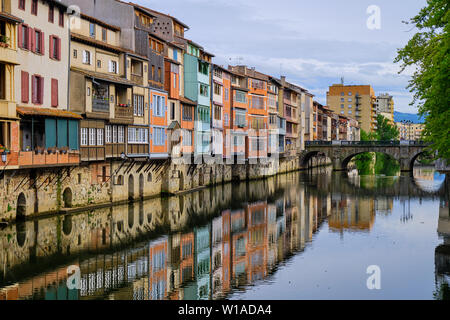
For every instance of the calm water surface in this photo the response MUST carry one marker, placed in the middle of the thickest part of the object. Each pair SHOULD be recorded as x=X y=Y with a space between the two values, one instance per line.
x=307 y=235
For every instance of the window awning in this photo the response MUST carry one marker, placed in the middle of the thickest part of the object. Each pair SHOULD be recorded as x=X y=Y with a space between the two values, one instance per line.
x=47 y=112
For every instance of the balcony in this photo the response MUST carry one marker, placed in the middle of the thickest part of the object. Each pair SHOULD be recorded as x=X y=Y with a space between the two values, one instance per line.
x=137 y=78
x=7 y=109
x=124 y=112
x=100 y=105
x=43 y=158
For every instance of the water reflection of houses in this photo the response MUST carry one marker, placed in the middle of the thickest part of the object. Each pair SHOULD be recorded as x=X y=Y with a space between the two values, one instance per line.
x=351 y=213
x=213 y=241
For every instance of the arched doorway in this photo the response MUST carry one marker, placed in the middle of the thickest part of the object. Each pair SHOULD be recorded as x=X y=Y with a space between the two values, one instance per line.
x=131 y=187
x=141 y=186
x=67 y=198
x=21 y=211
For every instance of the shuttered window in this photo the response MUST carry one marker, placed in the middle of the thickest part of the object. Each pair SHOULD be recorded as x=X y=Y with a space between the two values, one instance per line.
x=54 y=93
x=55 y=48
x=62 y=131
x=37 y=89
x=73 y=135
x=25 y=87
x=50 y=133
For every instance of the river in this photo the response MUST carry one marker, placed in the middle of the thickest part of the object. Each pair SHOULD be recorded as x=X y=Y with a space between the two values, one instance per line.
x=303 y=235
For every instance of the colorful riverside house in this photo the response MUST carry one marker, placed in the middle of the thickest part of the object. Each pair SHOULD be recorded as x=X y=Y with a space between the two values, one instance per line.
x=277 y=123
x=197 y=87
x=221 y=111
x=9 y=124
x=257 y=241
x=158 y=253
x=49 y=133
x=100 y=92
x=238 y=117
x=257 y=112
x=291 y=100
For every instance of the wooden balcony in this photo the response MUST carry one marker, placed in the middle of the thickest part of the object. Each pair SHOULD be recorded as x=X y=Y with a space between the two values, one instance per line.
x=30 y=159
x=124 y=113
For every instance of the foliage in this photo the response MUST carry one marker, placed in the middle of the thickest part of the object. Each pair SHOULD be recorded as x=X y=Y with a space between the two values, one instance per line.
x=386 y=131
x=428 y=53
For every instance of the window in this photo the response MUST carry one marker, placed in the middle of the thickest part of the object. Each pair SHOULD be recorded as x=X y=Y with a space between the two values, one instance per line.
x=240 y=119
x=24 y=41
x=350 y=93
x=258 y=102
x=238 y=140
x=121 y=133
x=158 y=136
x=104 y=35
x=172 y=110
x=226 y=119
x=86 y=57
x=217 y=89
x=25 y=87
x=108 y=134
x=159 y=104
x=241 y=97
x=99 y=137
x=342 y=106
x=38 y=42
x=204 y=90
x=342 y=94
x=342 y=100
x=350 y=106
x=114 y=134
x=227 y=94
x=350 y=100
x=51 y=13
x=113 y=67
x=34 y=7
x=61 y=17
x=22 y=4
x=218 y=73
x=55 y=48
x=203 y=67
x=75 y=53
x=37 y=89
x=175 y=54
x=187 y=113
x=138 y=104
x=142 y=135
x=99 y=63
x=54 y=92
x=92 y=137
x=187 y=138
x=92 y=30
x=159 y=74
x=258 y=84
x=84 y=136
x=217 y=112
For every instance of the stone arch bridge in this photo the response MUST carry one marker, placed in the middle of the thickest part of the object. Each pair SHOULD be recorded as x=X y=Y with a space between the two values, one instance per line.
x=341 y=152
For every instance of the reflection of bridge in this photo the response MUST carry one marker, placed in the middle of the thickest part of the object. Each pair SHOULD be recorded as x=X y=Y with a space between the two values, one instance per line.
x=341 y=152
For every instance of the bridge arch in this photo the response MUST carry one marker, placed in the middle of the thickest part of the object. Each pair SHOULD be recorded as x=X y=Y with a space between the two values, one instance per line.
x=312 y=154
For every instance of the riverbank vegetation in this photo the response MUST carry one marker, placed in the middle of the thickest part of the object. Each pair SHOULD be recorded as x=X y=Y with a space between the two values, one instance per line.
x=378 y=163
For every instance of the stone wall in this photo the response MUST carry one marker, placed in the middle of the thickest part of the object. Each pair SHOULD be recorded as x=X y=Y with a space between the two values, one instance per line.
x=32 y=192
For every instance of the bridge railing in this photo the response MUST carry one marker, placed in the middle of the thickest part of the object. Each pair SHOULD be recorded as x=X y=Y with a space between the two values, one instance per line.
x=365 y=143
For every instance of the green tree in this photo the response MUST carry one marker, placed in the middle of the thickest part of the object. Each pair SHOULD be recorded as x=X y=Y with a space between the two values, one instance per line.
x=386 y=131
x=428 y=53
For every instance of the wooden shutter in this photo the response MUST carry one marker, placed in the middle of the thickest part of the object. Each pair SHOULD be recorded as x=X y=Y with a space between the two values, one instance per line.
x=20 y=36
x=25 y=87
x=32 y=39
x=41 y=93
x=50 y=39
x=54 y=92
x=58 y=43
x=62 y=131
x=42 y=43
x=73 y=134
x=50 y=133
x=33 y=90
x=110 y=66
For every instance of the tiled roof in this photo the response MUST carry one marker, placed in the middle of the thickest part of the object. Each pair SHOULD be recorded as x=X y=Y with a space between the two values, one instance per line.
x=10 y=17
x=47 y=112
x=94 y=42
x=103 y=76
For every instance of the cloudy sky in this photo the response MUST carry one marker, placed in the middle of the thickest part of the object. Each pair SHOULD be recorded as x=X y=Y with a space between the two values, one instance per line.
x=313 y=43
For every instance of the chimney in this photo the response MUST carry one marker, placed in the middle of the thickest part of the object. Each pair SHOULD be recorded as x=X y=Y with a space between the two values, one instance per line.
x=283 y=79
